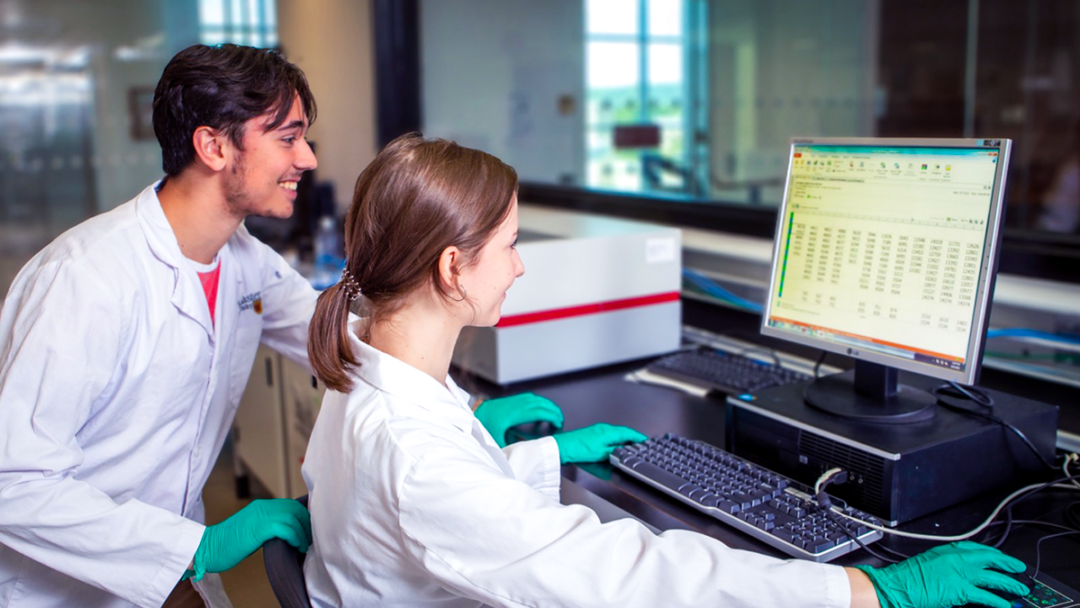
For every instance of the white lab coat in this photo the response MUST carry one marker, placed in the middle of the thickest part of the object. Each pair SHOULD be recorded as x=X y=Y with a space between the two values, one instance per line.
x=413 y=504
x=116 y=394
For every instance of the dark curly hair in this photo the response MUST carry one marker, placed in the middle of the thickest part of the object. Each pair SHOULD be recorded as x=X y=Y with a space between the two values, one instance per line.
x=222 y=87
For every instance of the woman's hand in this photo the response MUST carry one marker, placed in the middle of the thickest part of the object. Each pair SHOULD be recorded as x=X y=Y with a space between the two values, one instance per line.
x=594 y=443
x=498 y=415
x=951 y=575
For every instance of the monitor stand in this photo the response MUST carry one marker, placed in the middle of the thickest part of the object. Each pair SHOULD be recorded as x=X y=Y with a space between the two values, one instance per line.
x=871 y=393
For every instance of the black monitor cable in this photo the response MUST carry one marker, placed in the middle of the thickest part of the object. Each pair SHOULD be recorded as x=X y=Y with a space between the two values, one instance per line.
x=942 y=392
x=817 y=364
x=967 y=392
x=1072 y=515
x=1038 y=548
x=1068 y=531
x=1070 y=477
x=1009 y=523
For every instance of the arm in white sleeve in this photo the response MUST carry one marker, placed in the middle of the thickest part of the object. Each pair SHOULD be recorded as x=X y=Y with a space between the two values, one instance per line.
x=288 y=303
x=59 y=353
x=536 y=463
x=497 y=541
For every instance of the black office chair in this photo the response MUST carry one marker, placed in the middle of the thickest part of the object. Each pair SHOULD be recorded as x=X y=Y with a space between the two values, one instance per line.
x=285 y=569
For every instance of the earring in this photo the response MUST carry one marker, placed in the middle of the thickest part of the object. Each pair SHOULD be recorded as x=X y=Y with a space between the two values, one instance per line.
x=464 y=294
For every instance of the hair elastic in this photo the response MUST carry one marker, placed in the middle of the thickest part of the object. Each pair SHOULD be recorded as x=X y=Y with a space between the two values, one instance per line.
x=352 y=289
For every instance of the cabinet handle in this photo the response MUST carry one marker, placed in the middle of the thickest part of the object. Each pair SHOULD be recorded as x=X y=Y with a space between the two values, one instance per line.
x=269 y=372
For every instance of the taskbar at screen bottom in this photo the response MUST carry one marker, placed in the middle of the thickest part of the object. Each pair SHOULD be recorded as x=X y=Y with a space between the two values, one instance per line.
x=856 y=344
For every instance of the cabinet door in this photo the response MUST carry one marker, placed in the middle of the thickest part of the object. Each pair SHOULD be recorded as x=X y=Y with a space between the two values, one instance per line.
x=259 y=425
x=302 y=394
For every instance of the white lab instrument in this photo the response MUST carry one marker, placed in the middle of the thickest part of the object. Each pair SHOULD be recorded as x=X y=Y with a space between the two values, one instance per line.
x=596 y=290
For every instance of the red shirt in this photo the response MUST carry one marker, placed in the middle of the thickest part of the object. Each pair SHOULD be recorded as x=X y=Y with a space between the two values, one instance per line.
x=209 y=284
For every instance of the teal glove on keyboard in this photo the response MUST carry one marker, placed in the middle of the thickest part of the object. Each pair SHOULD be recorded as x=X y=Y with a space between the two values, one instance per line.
x=594 y=443
x=226 y=544
x=498 y=415
x=951 y=575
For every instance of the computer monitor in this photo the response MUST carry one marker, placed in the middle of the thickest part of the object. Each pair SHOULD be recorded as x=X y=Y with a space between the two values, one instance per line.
x=886 y=252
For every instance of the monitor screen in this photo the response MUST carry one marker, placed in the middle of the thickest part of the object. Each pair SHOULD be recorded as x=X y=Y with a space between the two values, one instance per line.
x=885 y=250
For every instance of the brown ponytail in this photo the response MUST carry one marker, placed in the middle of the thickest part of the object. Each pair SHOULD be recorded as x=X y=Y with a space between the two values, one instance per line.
x=416 y=198
x=328 y=339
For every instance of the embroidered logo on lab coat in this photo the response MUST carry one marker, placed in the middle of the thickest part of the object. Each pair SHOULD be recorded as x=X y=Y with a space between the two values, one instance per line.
x=252 y=301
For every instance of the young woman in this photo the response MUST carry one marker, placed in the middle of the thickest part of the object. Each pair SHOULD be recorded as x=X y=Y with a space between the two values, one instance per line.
x=413 y=503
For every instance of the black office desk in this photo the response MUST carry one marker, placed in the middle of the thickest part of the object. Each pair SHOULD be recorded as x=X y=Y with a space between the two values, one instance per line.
x=605 y=396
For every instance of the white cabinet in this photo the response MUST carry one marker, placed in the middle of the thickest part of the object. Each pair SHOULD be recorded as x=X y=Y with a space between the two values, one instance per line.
x=302 y=394
x=273 y=422
x=259 y=427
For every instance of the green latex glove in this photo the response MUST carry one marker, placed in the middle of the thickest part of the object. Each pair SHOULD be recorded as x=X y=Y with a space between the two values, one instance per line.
x=498 y=415
x=226 y=544
x=951 y=575
x=594 y=443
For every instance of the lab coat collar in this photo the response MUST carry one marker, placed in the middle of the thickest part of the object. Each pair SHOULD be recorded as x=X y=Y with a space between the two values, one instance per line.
x=159 y=233
x=400 y=379
x=188 y=296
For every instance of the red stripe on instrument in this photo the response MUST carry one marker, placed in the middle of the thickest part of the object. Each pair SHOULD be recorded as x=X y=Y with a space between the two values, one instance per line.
x=586 y=309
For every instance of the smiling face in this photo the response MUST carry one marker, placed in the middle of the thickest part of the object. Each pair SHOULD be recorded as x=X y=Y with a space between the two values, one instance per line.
x=497 y=265
x=263 y=177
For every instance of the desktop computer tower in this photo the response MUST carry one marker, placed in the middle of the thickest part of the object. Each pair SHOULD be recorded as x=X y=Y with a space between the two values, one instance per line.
x=897 y=472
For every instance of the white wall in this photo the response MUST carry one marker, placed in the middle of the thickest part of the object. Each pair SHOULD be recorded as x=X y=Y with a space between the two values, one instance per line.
x=493 y=72
x=331 y=41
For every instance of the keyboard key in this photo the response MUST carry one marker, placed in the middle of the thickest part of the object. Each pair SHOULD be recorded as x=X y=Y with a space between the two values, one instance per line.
x=784 y=534
x=658 y=474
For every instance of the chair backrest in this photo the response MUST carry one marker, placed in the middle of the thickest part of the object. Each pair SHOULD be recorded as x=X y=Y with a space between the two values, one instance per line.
x=285 y=569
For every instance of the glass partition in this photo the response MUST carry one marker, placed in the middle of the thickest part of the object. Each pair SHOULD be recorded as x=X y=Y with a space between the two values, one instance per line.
x=696 y=100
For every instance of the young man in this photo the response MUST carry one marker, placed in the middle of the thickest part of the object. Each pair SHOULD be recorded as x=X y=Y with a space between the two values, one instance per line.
x=125 y=346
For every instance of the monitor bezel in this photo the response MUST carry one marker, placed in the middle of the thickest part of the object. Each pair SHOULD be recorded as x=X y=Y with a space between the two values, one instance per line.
x=987 y=270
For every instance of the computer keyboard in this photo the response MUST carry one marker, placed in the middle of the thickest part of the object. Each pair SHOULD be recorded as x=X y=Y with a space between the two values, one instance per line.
x=724 y=372
x=768 y=506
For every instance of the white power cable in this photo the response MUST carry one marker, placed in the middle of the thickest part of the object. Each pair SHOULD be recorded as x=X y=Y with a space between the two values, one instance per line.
x=825 y=477
x=1070 y=458
x=1073 y=486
